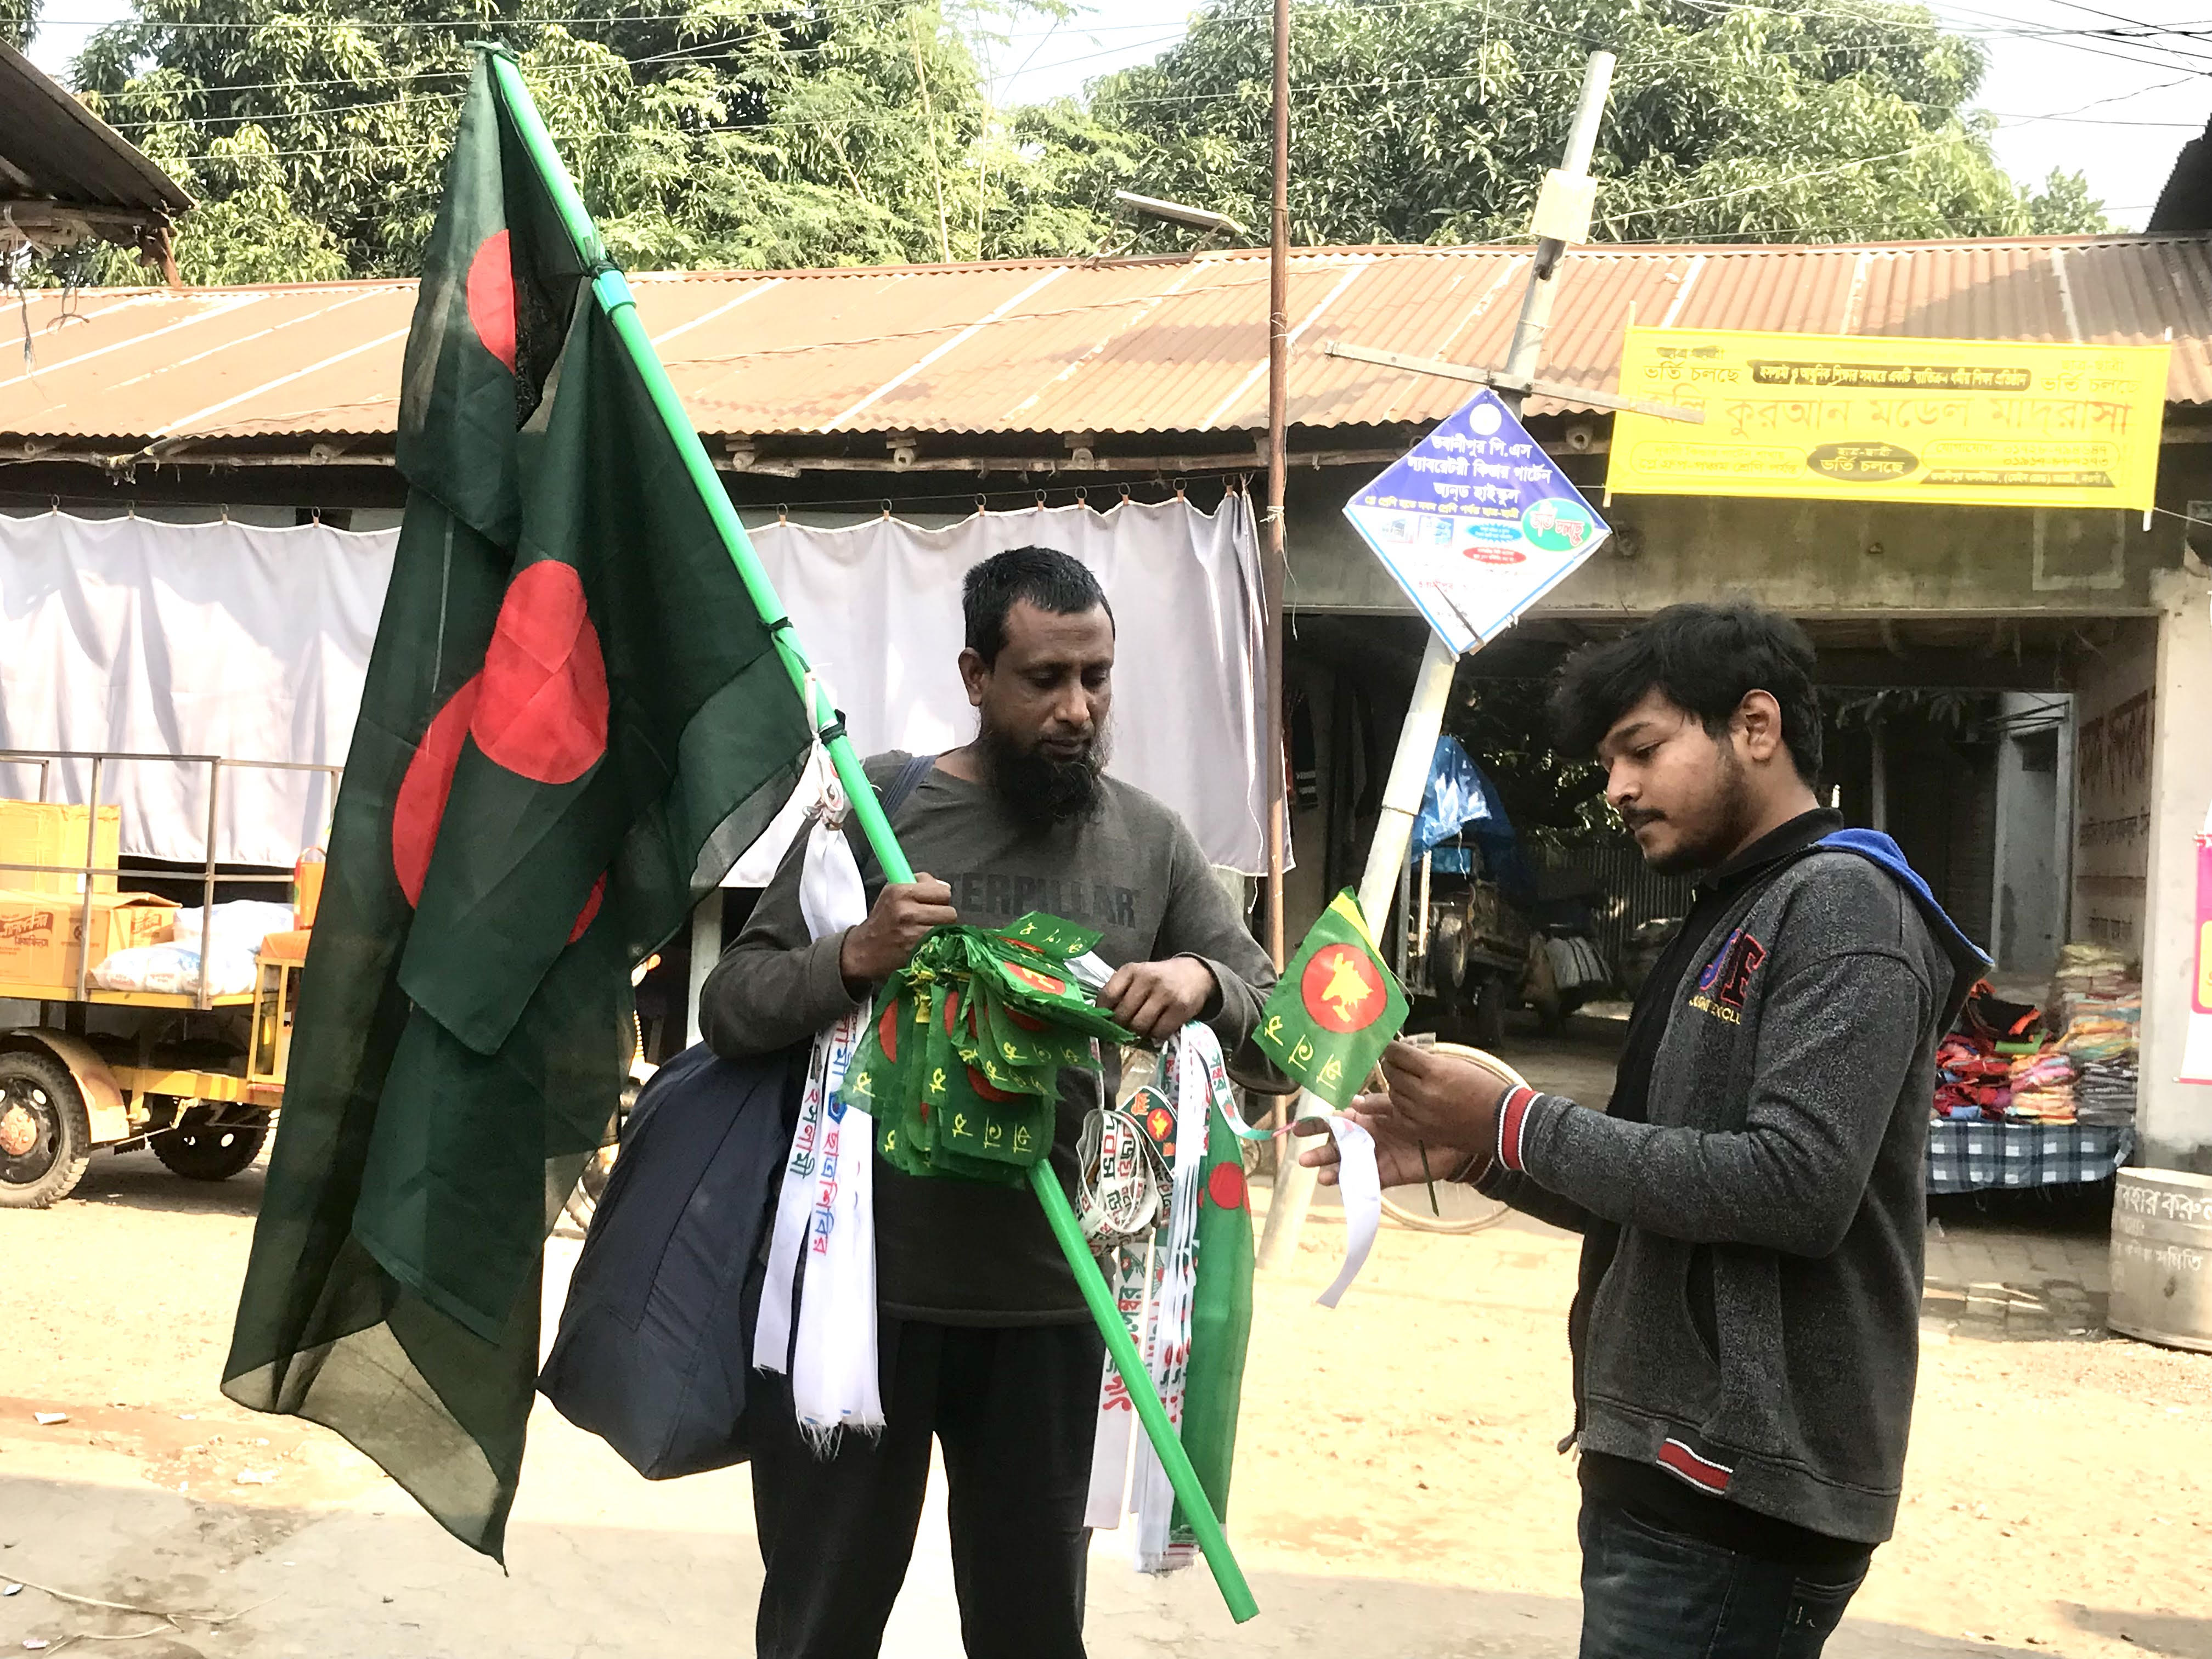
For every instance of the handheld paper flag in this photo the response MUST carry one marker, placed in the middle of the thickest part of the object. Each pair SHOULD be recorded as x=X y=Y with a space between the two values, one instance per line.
x=962 y=1068
x=1336 y=1007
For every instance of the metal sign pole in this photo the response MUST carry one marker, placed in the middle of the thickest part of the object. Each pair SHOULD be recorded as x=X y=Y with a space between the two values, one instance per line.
x=1275 y=572
x=1424 y=716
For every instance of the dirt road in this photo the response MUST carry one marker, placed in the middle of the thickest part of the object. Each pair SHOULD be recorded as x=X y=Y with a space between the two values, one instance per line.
x=1397 y=1494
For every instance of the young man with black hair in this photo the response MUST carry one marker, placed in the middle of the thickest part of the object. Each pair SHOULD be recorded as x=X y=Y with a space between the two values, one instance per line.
x=1745 y=1328
x=984 y=1341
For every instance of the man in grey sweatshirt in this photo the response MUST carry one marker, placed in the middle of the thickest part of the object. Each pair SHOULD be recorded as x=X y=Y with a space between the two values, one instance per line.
x=985 y=1343
x=1746 y=1326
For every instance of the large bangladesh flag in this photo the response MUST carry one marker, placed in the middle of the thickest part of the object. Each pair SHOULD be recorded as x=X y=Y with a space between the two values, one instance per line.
x=1335 y=1008
x=574 y=721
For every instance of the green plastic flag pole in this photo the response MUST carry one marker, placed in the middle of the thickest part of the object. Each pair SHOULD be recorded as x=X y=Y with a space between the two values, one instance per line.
x=613 y=293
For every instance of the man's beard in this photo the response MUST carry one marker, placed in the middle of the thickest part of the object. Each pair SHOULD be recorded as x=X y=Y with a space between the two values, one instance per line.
x=1037 y=790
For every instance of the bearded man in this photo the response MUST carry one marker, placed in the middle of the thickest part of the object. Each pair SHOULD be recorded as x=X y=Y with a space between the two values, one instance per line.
x=983 y=1340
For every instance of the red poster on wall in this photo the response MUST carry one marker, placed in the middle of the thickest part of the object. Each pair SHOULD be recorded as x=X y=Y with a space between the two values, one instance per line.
x=2196 y=1047
x=2200 y=996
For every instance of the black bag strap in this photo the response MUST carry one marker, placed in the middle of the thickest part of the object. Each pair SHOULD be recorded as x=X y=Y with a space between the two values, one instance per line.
x=902 y=784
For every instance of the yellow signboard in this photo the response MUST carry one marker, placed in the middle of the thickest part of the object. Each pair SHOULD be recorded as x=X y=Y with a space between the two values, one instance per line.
x=1981 y=423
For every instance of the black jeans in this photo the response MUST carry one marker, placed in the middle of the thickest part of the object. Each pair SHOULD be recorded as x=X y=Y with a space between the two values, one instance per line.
x=1650 y=1594
x=1014 y=1409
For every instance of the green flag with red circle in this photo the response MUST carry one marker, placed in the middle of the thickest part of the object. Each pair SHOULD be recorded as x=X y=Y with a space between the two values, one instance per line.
x=573 y=721
x=1335 y=1008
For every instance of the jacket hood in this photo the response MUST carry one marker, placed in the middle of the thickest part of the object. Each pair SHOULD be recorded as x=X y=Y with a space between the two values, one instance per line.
x=1969 y=961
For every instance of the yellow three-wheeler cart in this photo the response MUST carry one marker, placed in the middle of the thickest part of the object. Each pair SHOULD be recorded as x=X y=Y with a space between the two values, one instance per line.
x=196 y=1074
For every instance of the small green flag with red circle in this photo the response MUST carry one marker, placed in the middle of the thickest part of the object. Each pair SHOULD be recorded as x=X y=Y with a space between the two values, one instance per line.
x=1336 y=1007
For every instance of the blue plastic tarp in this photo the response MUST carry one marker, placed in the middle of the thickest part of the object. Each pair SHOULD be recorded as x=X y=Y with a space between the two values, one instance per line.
x=1461 y=801
x=1457 y=795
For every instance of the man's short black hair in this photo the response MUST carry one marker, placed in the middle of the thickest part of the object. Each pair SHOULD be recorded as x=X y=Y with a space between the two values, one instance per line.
x=1705 y=659
x=1046 y=578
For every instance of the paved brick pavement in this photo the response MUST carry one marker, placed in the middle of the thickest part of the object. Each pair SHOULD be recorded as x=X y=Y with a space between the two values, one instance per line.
x=2024 y=1278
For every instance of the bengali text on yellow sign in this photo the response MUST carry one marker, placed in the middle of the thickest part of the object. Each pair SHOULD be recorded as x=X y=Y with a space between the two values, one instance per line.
x=1980 y=423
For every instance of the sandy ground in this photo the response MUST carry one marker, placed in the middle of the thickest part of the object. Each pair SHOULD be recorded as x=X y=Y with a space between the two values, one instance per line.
x=1397 y=1492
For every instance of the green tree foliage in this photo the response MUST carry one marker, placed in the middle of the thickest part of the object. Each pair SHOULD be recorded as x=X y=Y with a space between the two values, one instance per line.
x=744 y=133
x=1553 y=800
x=1434 y=121
x=19 y=22
x=761 y=133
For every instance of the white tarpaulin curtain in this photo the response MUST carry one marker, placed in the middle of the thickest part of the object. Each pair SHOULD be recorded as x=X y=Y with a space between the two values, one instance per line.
x=877 y=604
x=250 y=643
x=168 y=639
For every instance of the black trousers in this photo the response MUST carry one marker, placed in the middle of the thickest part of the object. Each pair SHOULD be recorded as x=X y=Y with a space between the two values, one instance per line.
x=1648 y=1593
x=1014 y=1409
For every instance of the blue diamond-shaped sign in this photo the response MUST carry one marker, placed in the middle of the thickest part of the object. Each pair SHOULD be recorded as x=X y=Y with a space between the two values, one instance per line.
x=1475 y=523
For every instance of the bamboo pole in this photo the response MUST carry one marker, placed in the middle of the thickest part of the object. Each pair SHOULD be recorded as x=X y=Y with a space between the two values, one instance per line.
x=613 y=293
x=1425 y=714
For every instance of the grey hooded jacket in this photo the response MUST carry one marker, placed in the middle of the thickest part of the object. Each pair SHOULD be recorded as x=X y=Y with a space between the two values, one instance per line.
x=1750 y=1320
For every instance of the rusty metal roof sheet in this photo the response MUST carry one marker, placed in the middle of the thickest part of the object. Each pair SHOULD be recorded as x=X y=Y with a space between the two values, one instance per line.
x=54 y=150
x=1131 y=346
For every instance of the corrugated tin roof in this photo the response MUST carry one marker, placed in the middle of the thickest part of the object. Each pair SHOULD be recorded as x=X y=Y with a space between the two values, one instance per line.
x=52 y=149
x=1134 y=346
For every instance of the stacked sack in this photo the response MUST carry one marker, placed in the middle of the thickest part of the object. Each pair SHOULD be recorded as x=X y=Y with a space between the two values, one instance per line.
x=2099 y=1000
x=173 y=967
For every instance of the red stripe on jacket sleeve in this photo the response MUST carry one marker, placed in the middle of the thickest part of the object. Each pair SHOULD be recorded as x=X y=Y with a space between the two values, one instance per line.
x=1512 y=1125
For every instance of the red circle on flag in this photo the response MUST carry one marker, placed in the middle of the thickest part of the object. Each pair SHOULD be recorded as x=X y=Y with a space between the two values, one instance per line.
x=591 y=907
x=542 y=711
x=1341 y=989
x=1225 y=1185
x=951 y=1008
x=1027 y=1022
x=887 y=1025
x=982 y=1086
x=420 y=806
x=491 y=297
x=1044 y=982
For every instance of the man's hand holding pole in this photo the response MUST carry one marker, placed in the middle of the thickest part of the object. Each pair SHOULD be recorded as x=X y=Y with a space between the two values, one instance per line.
x=901 y=919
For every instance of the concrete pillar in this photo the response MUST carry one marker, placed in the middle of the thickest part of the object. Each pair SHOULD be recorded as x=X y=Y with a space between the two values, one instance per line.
x=1878 y=748
x=2174 y=1119
x=2027 y=904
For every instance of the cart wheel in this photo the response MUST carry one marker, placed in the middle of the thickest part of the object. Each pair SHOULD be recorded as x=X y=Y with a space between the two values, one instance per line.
x=209 y=1154
x=45 y=1139
x=1489 y=1020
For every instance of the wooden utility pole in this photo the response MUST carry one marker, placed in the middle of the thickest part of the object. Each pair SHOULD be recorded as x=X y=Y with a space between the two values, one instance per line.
x=1275 y=571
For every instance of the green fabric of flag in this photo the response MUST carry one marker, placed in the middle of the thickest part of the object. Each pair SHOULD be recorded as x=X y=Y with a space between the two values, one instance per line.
x=572 y=720
x=1336 y=1007
x=961 y=1067
x=1220 y=1319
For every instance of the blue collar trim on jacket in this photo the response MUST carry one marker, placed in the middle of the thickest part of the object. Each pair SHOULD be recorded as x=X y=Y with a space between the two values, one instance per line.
x=1875 y=846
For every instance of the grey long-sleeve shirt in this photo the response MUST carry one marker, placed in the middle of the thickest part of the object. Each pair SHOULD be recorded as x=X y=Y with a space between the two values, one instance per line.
x=957 y=1252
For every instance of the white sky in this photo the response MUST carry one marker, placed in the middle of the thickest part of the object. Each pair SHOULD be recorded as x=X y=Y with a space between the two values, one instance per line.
x=2118 y=105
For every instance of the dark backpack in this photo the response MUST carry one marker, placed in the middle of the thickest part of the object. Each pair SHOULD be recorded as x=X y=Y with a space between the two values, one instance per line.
x=656 y=1337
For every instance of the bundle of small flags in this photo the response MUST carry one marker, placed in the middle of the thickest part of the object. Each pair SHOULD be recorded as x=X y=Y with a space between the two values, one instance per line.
x=961 y=1067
